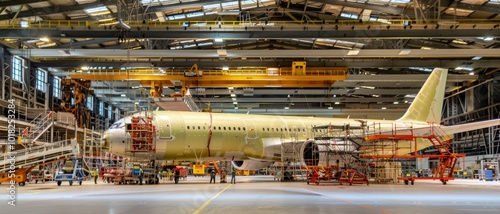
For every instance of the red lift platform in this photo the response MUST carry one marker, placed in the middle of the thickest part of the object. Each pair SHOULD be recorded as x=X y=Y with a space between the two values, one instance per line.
x=351 y=176
x=316 y=174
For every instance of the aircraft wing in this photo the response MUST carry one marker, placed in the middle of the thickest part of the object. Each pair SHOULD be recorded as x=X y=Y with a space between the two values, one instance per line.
x=470 y=126
x=444 y=130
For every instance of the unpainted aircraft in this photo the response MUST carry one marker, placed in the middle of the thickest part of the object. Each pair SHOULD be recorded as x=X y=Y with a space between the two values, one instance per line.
x=255 y=141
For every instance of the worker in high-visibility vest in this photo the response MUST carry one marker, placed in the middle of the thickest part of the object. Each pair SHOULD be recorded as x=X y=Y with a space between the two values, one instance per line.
x=95 y=174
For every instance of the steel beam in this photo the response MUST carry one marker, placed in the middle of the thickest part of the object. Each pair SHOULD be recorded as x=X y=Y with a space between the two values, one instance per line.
x=84 y=43
x=17 y=2
x=367 y=63
x=326 y=32
x=381 y=8
x=2 y=74
x=150 y=55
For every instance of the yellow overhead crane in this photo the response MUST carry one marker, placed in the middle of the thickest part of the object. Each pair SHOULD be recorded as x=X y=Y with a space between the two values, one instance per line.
x=296 y=76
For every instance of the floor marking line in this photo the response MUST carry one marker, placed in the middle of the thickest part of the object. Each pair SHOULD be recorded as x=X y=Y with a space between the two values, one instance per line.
x=210 y=200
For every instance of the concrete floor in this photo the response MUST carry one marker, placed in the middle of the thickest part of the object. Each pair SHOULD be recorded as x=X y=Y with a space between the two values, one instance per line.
x=256 y=194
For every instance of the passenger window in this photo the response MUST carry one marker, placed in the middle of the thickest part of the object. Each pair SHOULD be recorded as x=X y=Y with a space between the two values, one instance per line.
x=239 y=128
x=263 y=129
x=199 y=128
x=229 y=128
x=244 y=128
x=187 y=127
x=267 y=129
x=224 y=128
x=234 y=128
x=219 y=128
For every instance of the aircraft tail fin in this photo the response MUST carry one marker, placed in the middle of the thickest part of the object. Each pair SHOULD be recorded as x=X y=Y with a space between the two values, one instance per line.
x=428 y=104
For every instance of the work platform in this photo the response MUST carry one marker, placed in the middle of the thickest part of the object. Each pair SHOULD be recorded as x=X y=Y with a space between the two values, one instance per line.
x=387 y=146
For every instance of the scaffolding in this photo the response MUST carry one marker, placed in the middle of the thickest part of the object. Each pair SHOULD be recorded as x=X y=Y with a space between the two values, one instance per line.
x=92 y=151
x=140 y=150
x=142 y=143
x=290 y=167
x=332 y=155
x=390 y=146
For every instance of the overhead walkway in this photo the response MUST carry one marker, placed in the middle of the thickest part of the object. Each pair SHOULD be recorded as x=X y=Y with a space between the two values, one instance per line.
x=38 y=155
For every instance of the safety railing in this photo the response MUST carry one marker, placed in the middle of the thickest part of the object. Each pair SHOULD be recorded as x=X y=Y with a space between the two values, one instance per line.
x=89 y=24
x=38 y=154
x=341 y=71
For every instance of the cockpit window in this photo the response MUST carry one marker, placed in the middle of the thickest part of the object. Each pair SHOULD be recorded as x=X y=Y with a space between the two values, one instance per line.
x=118 y=124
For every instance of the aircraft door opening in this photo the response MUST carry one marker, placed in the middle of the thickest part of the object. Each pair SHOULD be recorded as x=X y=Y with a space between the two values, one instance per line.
x=165 y=128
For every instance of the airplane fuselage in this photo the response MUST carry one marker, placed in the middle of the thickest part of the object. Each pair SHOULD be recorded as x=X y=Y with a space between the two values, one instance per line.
x=222 y=136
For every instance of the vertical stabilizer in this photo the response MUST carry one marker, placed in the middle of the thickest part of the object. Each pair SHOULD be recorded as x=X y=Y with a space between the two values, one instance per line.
x=428 y=104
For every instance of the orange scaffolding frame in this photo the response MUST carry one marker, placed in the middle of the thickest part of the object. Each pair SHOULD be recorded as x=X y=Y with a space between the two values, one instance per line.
x=440 y=140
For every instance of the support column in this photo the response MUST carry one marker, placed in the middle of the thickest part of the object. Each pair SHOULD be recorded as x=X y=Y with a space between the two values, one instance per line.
x=2 y=73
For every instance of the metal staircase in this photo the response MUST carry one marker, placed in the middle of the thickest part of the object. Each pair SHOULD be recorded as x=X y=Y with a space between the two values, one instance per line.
x=447 y=159
x=38 y=154
x=39 y=127
x=191 y=104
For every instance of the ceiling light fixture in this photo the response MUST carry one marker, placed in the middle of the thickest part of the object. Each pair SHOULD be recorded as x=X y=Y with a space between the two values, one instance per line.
x=222 y=52
x=404 y=52
x=24 y=24
x=353 y=53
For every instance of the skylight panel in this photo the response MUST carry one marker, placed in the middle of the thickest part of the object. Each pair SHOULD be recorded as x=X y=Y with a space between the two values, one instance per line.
x=96 y=11
x=494 y=2
x=195 y=14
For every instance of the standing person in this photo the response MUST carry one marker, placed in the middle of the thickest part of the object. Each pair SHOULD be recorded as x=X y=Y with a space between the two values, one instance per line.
x=95 y=174
x=177 y=174
x=212 y=175
x=141 y=175
x=233 y=176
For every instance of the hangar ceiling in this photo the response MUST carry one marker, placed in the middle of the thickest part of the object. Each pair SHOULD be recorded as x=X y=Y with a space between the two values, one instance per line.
x=387 y=46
